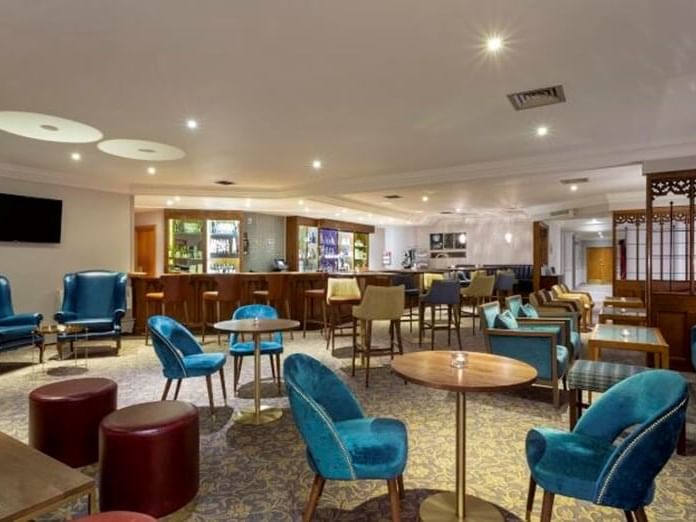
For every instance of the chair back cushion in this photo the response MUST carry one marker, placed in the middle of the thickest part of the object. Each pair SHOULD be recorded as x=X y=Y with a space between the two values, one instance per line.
x=256 y=311
x=381 y=303
x=5 y=298
x=342 y=287
x=406 y=280
x=319 y=399
x=488 y=312
x=506 y=321
x=514 y=304
x=654 y=402
x=429 y=278
x=482 y=286
x=94 y=294
x=445 y=292
x=528 y=310
x=171 y=341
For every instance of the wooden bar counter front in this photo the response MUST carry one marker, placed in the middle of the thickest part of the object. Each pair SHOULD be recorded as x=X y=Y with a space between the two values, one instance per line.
x=199 y=283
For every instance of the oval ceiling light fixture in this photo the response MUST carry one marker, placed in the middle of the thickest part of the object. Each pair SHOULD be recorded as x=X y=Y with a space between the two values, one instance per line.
x=47 y=128
x=141 y=150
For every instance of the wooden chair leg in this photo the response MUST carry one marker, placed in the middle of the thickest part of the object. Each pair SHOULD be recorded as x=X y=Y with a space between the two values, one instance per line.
x=209 y=383
x=458 y=325
x=556 y=395
x=640 y=515
x=355 y=346
x=573 y=405
x=368 y=345
x=394 y=500
x=421 y=318
x=222 y=384
x=167 y=385
x=399 y=343
x=204 y=319
x=314 y=494
x=449 y=325
x=400 y=483
x=278 y=372
x=235 y=375
x=304 y=317
x=629 y=516
x=530 y=498
x=176 y=390
x=217 y=318
x=273 y=373
x=432 y=327
x=547 y=507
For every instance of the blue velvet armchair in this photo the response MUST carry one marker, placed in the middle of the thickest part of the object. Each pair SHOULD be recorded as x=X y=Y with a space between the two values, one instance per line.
x=16 y=330
x=342 y=443
x=272 y=347
x=538 y=345
x=182 y=357
x=95 y=300
x=591 y=463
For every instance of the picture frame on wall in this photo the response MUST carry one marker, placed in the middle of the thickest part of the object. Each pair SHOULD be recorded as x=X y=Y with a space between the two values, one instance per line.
x=436 y=241
x=459 y=240
x=449 y=241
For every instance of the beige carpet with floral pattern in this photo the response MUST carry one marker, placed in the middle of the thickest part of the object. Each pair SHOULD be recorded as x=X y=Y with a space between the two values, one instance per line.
x=260 y=473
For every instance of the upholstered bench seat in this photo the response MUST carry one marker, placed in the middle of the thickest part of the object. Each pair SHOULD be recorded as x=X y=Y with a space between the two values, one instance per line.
x=599 y=376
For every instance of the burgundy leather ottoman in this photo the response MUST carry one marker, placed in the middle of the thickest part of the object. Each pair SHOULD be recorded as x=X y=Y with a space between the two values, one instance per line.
x=119 y=516
x=64 y=418
x=149 y=456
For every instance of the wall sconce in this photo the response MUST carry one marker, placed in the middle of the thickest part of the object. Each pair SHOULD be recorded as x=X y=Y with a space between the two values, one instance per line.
x=508 y=237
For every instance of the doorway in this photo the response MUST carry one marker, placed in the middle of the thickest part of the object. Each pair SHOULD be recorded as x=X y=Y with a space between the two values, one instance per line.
x=599 y=265
x=145 y=249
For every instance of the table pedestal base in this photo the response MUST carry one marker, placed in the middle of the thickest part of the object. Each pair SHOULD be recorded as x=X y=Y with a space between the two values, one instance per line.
x=265 y=415
x=442 y=507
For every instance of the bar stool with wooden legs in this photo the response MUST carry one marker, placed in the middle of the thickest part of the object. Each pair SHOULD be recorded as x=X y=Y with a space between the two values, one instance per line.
x=311 y=295
x=277 y=294
x=479 y=291
x=380 y=303
x=339 y=291
x=174 y=292
x=228 y=290
x=442 y=293
x=411 y=295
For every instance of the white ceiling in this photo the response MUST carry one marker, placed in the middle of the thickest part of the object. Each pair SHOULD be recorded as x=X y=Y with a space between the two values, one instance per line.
x=392 y=96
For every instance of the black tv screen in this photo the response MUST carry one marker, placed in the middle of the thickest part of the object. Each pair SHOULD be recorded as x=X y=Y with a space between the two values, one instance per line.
x=30 y=220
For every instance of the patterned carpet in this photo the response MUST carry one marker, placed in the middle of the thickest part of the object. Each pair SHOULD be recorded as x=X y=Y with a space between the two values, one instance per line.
x=260 y=473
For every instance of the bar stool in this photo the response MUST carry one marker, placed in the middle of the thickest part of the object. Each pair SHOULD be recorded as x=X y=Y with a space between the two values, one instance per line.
x=442 y=293
x=311 y=295
x=173 y=293
x=478 y=292
x=277 y=294
x=380 y=303
x=339 y=291
x=228 y=290
x=411 y=293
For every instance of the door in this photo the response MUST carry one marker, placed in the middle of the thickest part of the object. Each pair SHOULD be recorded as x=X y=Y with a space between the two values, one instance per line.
x=145 y=249
x=599 y=264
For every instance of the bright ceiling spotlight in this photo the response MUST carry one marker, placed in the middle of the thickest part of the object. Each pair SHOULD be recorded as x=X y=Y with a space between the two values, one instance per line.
x=177 y=198
x=494 y=43
x=542 y=130
x=192 y=124
x=316 y=164
x=424 y=199
x=573 y=188
x=508 y=237
x=151 y=171
x=169 y=202
x=76 y=156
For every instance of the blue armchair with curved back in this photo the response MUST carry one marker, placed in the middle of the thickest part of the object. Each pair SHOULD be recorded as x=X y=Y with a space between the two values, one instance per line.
x=272 y=347
x=182 y=357
x=591 y=464
x=342 y=443
x=16 y=330
x=95 y=300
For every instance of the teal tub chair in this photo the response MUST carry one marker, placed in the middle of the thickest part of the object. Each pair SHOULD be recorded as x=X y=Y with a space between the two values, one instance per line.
x=182 y=357
x=591 y=463
x=17 y=330
x=342 y=443
x=272 y=347
x=540 y=346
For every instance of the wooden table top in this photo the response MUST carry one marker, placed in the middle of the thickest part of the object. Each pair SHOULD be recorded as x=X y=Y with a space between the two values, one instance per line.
x=483 y=372
x=252 y=326
x=620 y=312
x=624 y=302
x=31 y=481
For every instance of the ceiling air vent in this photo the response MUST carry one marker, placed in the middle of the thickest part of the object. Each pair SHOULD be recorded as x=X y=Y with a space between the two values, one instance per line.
x=569 y=212
x=224 y=182
x=392 y=196
x=574 y=181
x=446 y=212
x=537 y=97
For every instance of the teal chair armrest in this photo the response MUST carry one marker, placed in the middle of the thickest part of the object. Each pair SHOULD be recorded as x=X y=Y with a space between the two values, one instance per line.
x=64 y=316
x=21 y=320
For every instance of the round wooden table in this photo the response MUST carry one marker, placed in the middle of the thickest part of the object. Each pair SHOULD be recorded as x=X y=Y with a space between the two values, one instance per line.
x=483 y=373
x=257 y=327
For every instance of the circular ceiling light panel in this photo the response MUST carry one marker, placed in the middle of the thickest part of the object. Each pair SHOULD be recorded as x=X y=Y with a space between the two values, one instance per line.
x=141 y=150
x=47 y=128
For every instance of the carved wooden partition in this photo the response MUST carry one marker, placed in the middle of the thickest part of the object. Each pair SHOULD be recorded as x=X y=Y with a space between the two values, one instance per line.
x=669 y=254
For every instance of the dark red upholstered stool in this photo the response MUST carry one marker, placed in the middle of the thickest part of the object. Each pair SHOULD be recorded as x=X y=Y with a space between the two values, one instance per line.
x=149 y=456
x=64 y=418
x=119 y=516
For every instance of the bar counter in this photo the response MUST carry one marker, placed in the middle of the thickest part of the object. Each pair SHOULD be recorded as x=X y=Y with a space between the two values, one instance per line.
x=251 y=281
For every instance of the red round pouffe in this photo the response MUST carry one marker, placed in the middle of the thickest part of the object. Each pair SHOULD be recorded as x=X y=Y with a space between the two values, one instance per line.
x=149 y=455
x=119 y=516
x=64 y=418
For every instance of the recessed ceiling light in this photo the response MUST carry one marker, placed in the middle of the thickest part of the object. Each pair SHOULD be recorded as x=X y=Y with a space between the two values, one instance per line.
x=594 y=221
x=247 y=203
x=169 y=202
x=76 y=156
x=151 y=170
x=494 y=43
x=177 y=198
x=542 y=130
x=306 y=209
x=573 y=188
x=424 y=199
x=457 y=209
x=192 y=124
x=316 y=164
x=300 y=202
x=337 y=214
x=344 y=210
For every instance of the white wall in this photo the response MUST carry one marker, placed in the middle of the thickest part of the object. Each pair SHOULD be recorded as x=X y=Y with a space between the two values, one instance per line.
x=96 y=234
x=376 y=249
x=555 y=246
x=485 y=241
x=154 y=217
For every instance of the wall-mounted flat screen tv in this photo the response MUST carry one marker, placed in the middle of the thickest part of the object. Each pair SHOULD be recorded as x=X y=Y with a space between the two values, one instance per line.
x=30 y=220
